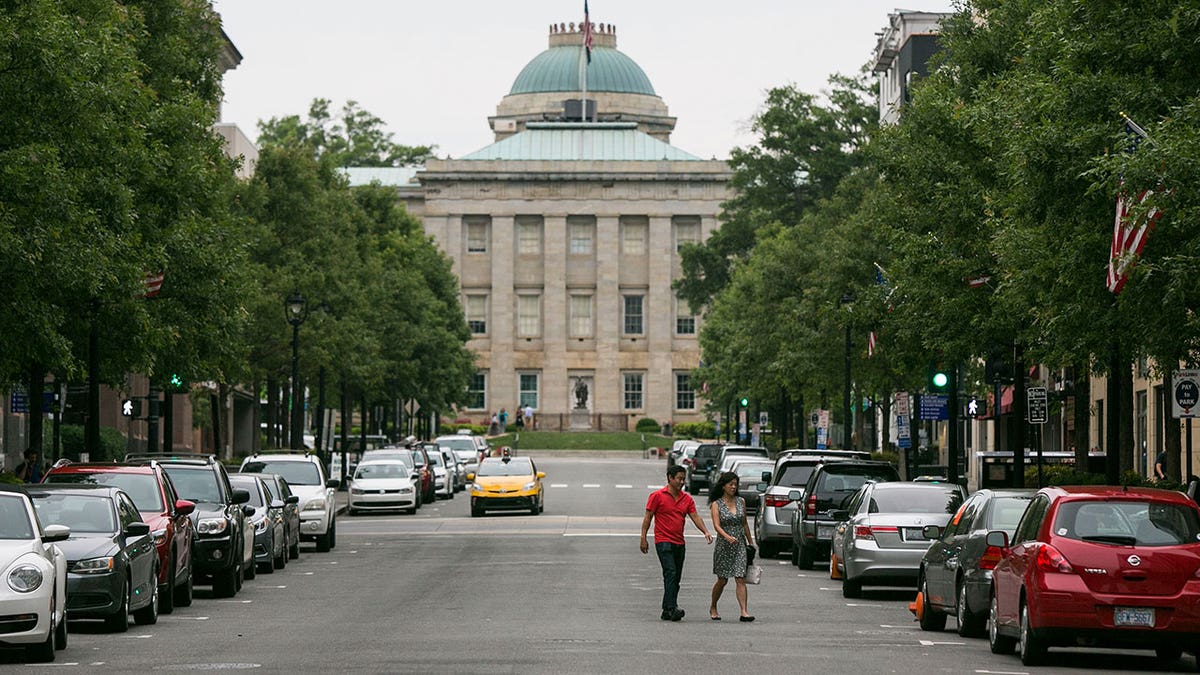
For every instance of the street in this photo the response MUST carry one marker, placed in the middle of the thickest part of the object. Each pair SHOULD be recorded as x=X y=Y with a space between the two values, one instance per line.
x=564 y=592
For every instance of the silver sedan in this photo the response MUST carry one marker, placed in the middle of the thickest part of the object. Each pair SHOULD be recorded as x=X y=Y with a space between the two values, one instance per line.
x=881 y=541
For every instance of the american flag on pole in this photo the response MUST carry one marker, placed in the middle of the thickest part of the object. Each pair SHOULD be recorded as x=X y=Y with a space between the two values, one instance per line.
x=587 y=32
x=153 y=284
x=1129 y=233
x=871 y=344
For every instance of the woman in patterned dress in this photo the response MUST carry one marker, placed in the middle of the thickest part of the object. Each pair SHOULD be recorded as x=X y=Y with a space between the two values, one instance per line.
x=728 y=513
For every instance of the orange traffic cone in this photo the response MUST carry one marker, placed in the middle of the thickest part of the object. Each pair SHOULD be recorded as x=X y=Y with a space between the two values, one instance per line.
x=833 y=567
x=917 y=606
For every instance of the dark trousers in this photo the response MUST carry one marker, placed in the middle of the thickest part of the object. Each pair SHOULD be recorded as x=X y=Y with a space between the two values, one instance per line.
x=670 y=556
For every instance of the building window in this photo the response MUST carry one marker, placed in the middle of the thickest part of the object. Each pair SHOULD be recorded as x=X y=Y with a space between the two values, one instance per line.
x=633 y=391
x=685 y=323
x=581 y=316
x=687 y=230
x=529 y=315
x=582 y=231
x=477 y=314
x=477 y=392
x=685 y=398
x=633 y=314
x=529 y=390
x=529 y=235
x=633 y=235
x=477 y=235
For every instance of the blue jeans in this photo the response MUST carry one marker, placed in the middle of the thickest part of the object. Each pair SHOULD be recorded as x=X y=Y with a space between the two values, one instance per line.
x=670 y=556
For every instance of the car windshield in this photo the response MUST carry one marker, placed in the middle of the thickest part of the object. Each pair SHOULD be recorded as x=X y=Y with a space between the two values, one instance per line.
x=755 y=471
x=295 y=472
x=80 y=512
x=382 y=470
x=142 y=488
x=795 y=475
x=467 y=456
x=850 y=480
x=517 y=466
x=248 y=485
x=916 y=499
x=1128 y=523
x=398 y=455
x=459 y=445
x=1006 y=512
x=14 y=518
x=418 y=457
x=435 y=458
x=197 y=484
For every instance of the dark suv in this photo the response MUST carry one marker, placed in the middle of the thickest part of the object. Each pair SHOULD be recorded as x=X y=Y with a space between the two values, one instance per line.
x=829 y=488
x=702 y=462
x=220 y=552
x=773 y=522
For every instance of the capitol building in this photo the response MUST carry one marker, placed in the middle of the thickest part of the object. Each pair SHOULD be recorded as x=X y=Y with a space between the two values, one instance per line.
x=565 y=235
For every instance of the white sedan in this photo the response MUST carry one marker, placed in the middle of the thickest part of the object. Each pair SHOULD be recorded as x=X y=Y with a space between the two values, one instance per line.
x=383 y=485
x=33 y=597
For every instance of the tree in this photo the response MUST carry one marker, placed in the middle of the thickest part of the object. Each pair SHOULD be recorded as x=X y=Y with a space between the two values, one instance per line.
x=357 y=138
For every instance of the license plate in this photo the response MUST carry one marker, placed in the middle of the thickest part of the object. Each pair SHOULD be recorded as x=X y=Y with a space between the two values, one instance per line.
x=1134 y=616
x=824 y=532
x=913 y=534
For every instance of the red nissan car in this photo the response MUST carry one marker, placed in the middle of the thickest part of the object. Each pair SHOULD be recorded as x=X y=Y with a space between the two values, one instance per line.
x=160 y=507
x=1098 y=566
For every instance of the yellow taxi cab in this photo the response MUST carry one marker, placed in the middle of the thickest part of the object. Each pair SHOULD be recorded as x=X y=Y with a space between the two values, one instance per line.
x=507 y=484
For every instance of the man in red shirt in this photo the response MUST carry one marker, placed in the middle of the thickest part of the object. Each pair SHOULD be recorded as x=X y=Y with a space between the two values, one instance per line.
x=667 y=508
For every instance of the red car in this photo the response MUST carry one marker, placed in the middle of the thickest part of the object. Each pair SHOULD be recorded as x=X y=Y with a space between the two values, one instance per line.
x=160 y=507
x=1098 y=566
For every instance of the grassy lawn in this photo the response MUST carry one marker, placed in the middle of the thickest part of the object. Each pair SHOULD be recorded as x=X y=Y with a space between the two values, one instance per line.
x=581 y=440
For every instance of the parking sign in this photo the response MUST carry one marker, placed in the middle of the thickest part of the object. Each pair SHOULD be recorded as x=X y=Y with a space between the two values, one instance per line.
x=1185 y=390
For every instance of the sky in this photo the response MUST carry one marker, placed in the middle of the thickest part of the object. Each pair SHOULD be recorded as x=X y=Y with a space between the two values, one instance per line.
x=435 y=71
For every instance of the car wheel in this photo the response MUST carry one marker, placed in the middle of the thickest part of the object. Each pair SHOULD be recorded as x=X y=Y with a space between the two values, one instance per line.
x=43 y=652
x=183 y=594
x=351 y=511
x=476 y=511
x=766 y=550
x=323 y=542
x=804 y=558
x=999 y=644
x=795 y=555
x=294 y=549
x=930 y=618
x=225 y=584
x=148 y=615
x=333 y=532
x=851 y=588
x=280 y=561
x=166 y=600
x=119 y=622
x=250 y=570
x=60 y=631
x=1033 y=649
x=970 y=624
x=1167 y=654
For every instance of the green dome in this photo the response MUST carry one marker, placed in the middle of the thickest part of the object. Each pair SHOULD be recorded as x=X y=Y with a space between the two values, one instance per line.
x=557 y=69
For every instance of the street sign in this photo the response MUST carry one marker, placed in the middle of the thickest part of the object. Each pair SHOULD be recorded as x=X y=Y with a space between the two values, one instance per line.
x=18 y=403
x=934 y=407
x=903 y=433
x=1186 y=387
x=762 y=419
x=822 y=429
x=1035 y=397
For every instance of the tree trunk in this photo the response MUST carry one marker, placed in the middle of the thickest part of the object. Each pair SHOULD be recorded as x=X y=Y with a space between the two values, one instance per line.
x=36 y=385
x=1083 y=416
x=1112 y=430
x=1172 y=438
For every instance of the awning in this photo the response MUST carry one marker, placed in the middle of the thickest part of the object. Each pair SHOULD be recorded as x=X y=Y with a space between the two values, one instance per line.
x=1006 y=398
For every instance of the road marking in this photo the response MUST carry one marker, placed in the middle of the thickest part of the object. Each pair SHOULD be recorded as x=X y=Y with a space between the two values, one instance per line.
x=559 y=485
x=653 y=487
x=147 y=636
x=623 y=487
x=51 y=665
x=274 y=586
x=930 y=643
x=1004 y=672
x=591 y=485
x=237 y=602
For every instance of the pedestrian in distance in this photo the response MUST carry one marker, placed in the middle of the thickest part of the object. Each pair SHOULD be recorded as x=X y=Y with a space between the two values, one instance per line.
x=730 y=555
x=667 y=508
x=520 y=422
x=527 y=413
x=1160 y=466
x=503 y=419
x=30 y=471
x=494 y=426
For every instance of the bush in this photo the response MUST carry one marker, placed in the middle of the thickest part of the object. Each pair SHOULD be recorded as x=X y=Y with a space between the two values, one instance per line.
x=446 y=429
x=648 y=425
x=1063 y=474
x=695 y=430
x=71 y=436
x=890 y=456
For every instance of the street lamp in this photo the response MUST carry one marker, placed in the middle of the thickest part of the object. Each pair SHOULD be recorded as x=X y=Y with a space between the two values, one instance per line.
x=295 y=309
x=845 y=301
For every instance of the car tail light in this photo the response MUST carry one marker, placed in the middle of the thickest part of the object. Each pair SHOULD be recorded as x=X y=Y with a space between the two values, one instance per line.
x=1049 y=559
x=867 y=532
x=776 y=500
x=989 y=558
x=686 y=461
x=810 y=506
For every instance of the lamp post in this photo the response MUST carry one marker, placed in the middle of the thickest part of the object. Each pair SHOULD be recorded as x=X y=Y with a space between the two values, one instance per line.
x=296 y=310
x=846 y=299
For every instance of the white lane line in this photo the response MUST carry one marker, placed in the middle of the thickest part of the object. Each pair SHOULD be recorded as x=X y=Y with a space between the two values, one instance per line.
x=236 y=602
x=623 y=487
x=1004 y=672
x=653 y=487
x=591 y=485
x=559 y=485
x=930 y=643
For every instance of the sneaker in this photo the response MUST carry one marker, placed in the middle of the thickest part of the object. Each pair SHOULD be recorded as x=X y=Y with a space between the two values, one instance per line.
x=677 y=614
x=667 y=614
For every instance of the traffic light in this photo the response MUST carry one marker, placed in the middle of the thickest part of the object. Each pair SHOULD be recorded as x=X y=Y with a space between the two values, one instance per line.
x=132 y=407
x=745 y=402
x=175 y=383
x=937 y=378
x=999 y=368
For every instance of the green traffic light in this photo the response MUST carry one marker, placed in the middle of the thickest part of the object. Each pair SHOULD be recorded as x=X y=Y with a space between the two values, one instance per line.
x=745 y=402
x=940 y=380
x=176 y=381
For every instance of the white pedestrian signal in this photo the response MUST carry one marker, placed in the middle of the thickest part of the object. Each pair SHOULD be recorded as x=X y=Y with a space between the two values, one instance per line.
x=973 y=407
x=127 y=408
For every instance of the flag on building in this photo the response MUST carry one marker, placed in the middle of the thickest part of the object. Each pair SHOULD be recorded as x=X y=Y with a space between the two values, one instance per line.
x=1129 y=230
x=587 y=32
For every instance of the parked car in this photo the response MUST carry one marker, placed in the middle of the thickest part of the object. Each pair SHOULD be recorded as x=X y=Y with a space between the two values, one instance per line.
x=884 y=537
x=750 y=473
x=773 y=523
x=34 y=599
x=703 y=460
x=223 y=549
x=729 y=455
x=112 y=564
x=681 y=450
x=443 y=474
x=384 y=485
x=829 y=488
x=306 y=476
x=160 y=506
x=454 y=466
x=956 y=573
x=507 y=484
x=270 y=553
x=425 y=468
x=1098 y=566
x=280 y=489
x=465 y=448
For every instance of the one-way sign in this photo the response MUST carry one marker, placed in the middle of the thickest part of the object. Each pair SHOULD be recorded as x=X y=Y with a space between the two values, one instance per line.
x=1186 y=391
x=1036 y=399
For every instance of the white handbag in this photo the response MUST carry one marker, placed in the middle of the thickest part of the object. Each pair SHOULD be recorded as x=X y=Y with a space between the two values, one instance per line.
x=753 y=574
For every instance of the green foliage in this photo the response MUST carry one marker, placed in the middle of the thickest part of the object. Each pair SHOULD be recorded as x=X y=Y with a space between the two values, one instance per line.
x=356 y=138
x=694 y=430
x=71 y=436
x=647 y=424
x=7 y=477
x=890 y=456
x=447 y=429
x=580 y=440
x=1064 y=474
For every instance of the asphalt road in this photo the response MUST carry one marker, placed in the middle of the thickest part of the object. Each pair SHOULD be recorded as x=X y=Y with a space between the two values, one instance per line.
x=564 y=592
